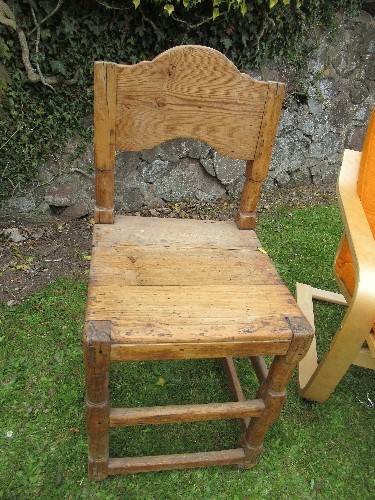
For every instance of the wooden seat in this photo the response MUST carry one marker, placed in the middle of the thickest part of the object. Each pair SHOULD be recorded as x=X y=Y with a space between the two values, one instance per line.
x=163 y=289
x=354 y=271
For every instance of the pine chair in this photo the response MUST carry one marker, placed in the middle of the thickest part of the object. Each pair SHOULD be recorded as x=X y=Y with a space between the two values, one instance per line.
x=168 y=289
x=354 y=270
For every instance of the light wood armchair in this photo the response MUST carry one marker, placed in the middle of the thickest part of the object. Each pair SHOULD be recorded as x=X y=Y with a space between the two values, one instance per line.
x=354 y=271
x=181 y=289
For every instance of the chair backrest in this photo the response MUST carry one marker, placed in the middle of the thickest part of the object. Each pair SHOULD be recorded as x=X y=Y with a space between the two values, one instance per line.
x=186 y=92
x=344 y=266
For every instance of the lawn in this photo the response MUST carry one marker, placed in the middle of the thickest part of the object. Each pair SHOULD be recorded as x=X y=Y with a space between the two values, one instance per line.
x=312 y=451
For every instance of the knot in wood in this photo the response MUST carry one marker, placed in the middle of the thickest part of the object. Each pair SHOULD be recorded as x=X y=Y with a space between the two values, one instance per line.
x=160 y=102
x=171 y=70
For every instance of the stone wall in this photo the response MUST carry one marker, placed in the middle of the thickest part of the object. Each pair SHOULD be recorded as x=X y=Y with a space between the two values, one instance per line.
x=317 y=123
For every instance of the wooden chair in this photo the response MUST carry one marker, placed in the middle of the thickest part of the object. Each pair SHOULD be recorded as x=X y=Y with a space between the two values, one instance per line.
x=354 y=271
x=181 y=289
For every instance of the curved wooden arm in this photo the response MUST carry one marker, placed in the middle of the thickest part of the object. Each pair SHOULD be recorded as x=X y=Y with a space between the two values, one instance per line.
x=357 y=229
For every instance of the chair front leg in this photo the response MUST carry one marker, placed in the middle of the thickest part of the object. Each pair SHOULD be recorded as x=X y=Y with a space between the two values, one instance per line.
x=273 y=390
x=97 y=358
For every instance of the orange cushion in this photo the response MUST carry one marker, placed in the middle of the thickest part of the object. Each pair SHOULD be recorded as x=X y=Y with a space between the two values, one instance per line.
x=366 y=191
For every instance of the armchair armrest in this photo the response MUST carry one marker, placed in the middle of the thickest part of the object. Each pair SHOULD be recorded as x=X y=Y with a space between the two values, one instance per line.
x=358 y=231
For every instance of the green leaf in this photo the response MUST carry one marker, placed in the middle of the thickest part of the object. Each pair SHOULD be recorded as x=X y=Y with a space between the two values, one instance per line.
x=44 y=34
x=169 y=8
x=160 y=382
x=243 y=8
x=215 y=13
x=273 y=3
x=136 y=3
x=227 y=42
x=58 y=66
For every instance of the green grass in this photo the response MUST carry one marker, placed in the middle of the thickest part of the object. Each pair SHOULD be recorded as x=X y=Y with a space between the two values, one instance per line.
x=312 y=451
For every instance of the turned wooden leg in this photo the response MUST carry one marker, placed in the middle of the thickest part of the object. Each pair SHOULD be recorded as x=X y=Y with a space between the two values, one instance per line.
x=245 y=217
x=97 y=348
x=273 y=390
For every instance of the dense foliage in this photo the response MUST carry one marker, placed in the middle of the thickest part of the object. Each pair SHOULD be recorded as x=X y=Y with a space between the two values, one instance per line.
x=65 y=37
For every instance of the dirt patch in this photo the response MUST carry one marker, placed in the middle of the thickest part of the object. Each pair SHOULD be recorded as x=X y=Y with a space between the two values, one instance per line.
x=32 y=255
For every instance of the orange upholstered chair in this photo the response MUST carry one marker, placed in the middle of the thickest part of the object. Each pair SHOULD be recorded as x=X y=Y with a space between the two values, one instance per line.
x=354 y=270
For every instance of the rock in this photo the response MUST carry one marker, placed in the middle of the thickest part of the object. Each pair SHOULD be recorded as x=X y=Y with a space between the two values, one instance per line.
x=133 y=199
x=226 y=169
x=79 y=209
x=152 y=172
x=355 y=138
x=58 y=196
x=14 y=234
x=208 y=165
x=358 y=92
x=282 y=179
x=189 y=181
x=24 y=203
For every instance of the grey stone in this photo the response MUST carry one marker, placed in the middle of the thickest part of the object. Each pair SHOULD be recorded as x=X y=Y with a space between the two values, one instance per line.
x=361 y=113
x=307 y=125
x=208 y=165
x=315 y=107
x=287 y=121
x=14 y=234
x=126 y=162
x=188 y=180
x=328 y=88
x=234 y=190
x=151 y=196
x=282 y=178
x=227 y=170
x=152 y=172
x=268 y=184
x=150 y=155
x=370 y=68
x=355 y=138
x=63 y=193
x=289 y=152
x=24 y=203
x=133 y=199
x=301 y=177
x=182 y=148
x=79 y=209
x=326 y=147
x=358 y=92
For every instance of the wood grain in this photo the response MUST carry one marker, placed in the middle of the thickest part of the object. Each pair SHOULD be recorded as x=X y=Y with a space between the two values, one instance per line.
x=318 y=380
x=182 y=289
x=168 y=232
x=179 y=461
x=196 y=350
x=120 y=417
x=193 y=92
x=104 y=138
x=157 y=284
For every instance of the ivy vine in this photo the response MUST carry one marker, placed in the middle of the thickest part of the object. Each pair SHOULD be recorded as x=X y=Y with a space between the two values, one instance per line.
x=47 y=50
